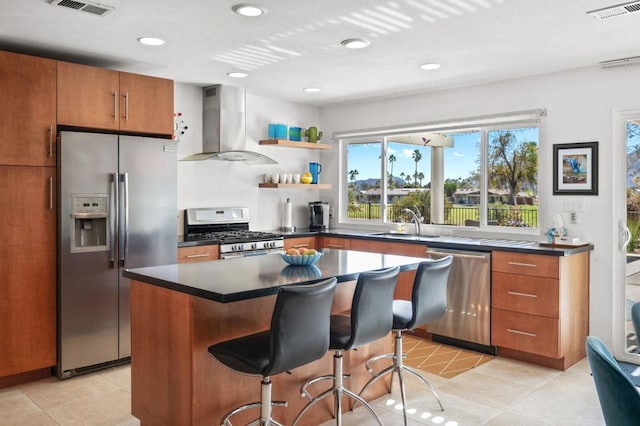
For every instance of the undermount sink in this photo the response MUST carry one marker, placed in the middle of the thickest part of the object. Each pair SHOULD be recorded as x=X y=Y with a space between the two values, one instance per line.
x=401 y=235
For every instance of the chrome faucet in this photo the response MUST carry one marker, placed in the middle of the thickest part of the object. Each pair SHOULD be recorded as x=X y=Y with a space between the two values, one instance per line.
x=416 y=219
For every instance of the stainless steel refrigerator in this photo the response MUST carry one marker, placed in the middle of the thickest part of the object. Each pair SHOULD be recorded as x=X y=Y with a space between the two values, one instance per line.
x=117 y=209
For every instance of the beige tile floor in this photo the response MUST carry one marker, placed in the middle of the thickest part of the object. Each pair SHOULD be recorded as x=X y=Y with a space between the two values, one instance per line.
x=499 y=392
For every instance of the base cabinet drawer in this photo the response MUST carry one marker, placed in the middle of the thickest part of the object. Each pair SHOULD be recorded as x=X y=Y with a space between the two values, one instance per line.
x=300 y=242
x=335 y=242
x=525 y=264
x=524 y=332
x=198 y=253
x=526 y=294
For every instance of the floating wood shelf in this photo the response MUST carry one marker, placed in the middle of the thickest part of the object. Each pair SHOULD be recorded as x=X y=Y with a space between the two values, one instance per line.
x=296 y=185
x=294 y=144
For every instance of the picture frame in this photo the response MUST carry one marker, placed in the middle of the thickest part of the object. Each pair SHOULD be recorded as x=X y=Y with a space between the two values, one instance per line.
x=575 y=168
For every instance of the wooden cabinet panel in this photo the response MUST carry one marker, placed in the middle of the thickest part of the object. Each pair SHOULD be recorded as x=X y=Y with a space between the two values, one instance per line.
x=87 y=96
x=528 y=333
x=28 y=110
x=404 y=287
x=27 y=268
x=335 y=242
x=104 y=99
x=527 y=294
x=300 y=242
x=146 y=104
x=198 y=253
x=525 y=264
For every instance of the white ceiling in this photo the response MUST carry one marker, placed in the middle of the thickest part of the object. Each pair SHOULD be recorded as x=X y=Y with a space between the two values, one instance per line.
x=296 y=44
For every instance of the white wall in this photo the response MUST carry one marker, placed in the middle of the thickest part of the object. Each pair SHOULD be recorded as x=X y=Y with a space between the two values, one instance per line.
x=225 y=184
x=579 y=105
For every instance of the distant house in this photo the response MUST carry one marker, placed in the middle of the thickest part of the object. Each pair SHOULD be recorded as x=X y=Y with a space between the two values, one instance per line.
x=373 y=195
x=471 y=197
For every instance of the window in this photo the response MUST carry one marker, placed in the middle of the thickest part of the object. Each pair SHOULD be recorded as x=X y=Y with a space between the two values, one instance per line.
x=483 y=176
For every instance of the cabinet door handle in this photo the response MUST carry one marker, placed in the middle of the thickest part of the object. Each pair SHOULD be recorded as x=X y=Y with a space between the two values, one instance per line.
x=126 y=106
x=516 y=293
x=524 y=333
x=115 y=105
x=51 y=141
x=191 y=256
x=300 y=245
x=50 y=192
x=334 y=246
x=528 y=265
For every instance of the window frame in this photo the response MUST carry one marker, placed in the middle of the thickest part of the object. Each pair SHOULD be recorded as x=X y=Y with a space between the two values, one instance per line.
x=483 y=125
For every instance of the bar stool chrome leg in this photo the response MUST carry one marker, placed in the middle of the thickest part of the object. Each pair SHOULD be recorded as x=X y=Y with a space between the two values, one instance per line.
x=338 y=390
x=397 y=367
x=265 y=405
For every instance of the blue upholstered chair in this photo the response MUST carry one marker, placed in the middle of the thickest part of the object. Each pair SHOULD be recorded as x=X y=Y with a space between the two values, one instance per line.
x=619 y=398
x=635 y=319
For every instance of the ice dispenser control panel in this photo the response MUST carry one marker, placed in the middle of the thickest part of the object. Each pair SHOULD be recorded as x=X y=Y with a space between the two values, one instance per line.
x=89 y=216
x=90 y=205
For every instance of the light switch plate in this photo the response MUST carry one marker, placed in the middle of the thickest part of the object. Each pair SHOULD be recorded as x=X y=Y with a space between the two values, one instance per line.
x=573 y=205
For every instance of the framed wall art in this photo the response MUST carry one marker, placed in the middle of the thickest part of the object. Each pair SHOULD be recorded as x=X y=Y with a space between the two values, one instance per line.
x=575 y=168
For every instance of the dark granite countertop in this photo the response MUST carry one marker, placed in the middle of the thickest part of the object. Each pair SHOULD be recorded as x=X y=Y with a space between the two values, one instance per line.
x=432 y=241
x=244 y=278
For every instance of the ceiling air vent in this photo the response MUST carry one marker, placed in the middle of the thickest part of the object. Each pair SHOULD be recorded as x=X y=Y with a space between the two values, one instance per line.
x=84 y=6
x=613 y=11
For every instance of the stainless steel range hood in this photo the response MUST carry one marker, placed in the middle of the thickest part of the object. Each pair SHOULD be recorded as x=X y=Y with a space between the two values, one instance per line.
x=224 y=127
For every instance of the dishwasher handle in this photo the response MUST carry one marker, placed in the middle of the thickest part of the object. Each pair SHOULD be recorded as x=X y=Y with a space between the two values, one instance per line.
x=460 y=254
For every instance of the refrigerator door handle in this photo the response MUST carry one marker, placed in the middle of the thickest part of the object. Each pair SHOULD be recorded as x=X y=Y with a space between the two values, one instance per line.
x=113 y=218
x=126 y=219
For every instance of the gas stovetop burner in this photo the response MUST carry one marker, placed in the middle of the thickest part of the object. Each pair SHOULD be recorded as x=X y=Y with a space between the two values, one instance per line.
x=227 y=237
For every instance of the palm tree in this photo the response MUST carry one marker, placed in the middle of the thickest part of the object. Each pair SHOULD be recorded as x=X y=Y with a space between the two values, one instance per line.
x=417 y=156
x=353 y=174
x=392 y=159
x=420 y=177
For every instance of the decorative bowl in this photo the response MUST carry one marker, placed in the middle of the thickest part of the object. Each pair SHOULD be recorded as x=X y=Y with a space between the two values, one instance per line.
x=301 y=260
x=300 y=273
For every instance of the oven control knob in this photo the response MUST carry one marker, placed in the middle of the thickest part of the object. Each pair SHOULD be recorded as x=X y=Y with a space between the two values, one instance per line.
x=272 y=244
x=254 y=246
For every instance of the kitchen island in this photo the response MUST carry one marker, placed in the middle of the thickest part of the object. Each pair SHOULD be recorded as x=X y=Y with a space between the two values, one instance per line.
x=178 y=311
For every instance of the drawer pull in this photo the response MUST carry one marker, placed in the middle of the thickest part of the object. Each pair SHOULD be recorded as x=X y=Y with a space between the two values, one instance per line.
x=191 y=256
x=334 y=246
x=522 y=332
x=529 y=265
x=301 y=245
x=516 y=293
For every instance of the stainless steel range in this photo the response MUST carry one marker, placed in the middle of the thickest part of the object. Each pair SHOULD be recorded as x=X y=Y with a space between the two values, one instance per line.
x=229 y=227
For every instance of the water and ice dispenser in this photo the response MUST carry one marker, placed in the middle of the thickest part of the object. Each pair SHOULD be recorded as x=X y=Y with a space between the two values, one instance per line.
x=89 y=223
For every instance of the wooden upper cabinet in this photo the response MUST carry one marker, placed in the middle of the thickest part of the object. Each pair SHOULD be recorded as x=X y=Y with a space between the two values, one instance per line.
x=88 y=96
x=28 y=110
x=146 y=104
x=99 y=98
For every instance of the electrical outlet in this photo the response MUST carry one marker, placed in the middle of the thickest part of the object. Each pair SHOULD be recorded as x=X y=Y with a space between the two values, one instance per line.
x=573 y=217
x=575 y=205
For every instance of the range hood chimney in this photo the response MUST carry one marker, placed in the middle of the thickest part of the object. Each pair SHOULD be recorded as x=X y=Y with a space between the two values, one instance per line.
x=224 y=127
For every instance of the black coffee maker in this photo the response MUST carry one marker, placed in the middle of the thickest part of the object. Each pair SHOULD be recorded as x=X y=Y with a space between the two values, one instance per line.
x=319 y=216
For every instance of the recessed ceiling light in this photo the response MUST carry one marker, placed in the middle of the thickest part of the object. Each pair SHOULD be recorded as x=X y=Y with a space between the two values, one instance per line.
x=355 y=43
x=248 y=9
x=430 y=66
x=237 y=74
x=311 y=89
x=151 y=41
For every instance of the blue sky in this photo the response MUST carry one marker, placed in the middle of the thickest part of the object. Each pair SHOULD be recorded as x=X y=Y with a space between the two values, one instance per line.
x=459 y=160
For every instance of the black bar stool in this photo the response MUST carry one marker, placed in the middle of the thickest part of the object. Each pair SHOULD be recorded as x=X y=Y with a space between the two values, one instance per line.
x=428 y=303
x=299 y=335
x=370 y=320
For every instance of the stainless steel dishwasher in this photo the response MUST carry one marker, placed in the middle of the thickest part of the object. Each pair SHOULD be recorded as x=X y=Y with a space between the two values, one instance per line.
x=468 y=316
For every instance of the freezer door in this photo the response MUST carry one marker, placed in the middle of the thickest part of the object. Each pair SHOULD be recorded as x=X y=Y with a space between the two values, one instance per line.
x=87 y=280
x=148 y=212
